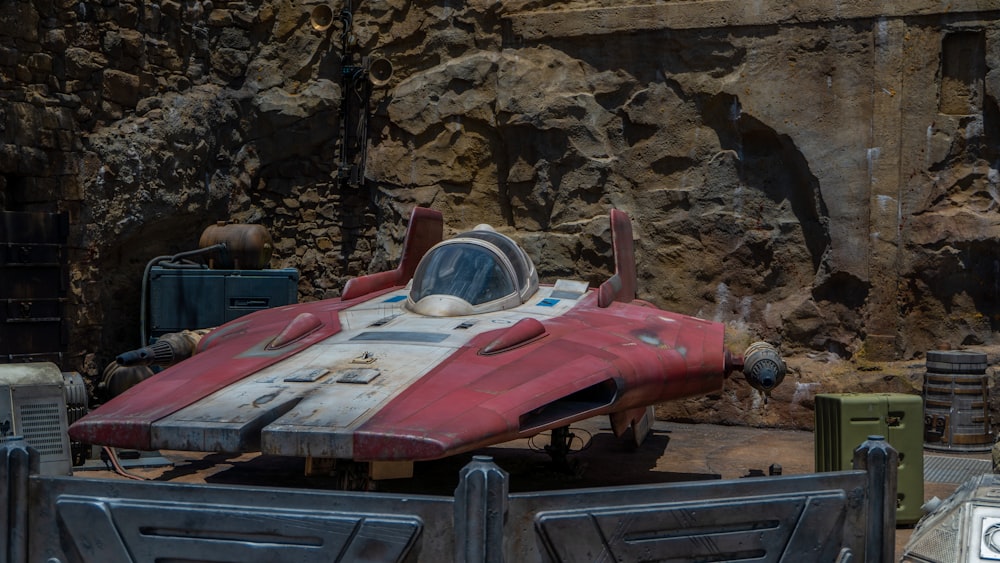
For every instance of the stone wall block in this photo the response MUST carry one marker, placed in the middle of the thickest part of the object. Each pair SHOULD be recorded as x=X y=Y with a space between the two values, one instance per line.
x=68 y=102
x=992 y=84
x=64 y=163
x=328 y=212
x=151 y=17
x=171 y=9
x=55 y=84
x=55 y=40
x=125 y=15
x=111 y=44
x=84 y=114
x=26 y=119
x=40 y=63
x=74 y=86
x=8 y=158
x=244 y=19
x=132 y=43
x=154 y=45
x=120 y=87
x=82 y=64
x=111 y=111
x=19 y=20
x=46 y=139
x=23 y=74
x=229 y=63
x=8 y=57
x=171 y=60
x=220 y=18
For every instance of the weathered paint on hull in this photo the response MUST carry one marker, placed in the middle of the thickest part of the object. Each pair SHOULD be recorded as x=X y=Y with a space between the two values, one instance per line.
x=375 y=382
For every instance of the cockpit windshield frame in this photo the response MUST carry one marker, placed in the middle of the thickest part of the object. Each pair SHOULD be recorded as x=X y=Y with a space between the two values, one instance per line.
x=475 y=272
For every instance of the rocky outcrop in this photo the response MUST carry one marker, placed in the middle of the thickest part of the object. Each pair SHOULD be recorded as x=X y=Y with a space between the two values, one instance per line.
x=823 y=177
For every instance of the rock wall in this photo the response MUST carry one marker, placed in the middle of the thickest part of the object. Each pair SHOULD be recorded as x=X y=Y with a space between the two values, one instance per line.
x=820 y=175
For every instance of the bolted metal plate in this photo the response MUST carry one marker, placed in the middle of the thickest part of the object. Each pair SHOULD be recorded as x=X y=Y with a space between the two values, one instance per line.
x=358 y=375
x=307 y=375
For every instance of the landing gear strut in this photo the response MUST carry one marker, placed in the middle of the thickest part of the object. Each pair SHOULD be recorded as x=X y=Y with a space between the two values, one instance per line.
x=559 y=448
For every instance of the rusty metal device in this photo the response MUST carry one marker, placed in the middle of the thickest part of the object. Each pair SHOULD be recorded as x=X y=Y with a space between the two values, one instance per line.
x=222 y=246
x=458 y=348
x=247 y=247
x=168 y=349
x=117 y=378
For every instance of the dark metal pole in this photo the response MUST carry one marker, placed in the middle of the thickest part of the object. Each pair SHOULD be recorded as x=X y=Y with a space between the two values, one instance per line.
x=480 y=511
x=18 y=463
x=881 y=461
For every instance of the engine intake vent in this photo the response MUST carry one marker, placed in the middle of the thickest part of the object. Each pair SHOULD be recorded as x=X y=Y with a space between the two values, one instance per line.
x=585 y=400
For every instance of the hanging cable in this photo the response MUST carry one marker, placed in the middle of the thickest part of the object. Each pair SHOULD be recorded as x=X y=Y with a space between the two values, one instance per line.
x=108 y=455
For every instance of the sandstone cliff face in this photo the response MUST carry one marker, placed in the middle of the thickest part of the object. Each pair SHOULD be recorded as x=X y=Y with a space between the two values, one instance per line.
x=824 y=177
x=778 y=171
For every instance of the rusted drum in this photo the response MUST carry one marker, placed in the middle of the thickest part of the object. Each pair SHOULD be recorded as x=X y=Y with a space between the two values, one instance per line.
x=248 y=247
x=956 y=402
x=116 y=379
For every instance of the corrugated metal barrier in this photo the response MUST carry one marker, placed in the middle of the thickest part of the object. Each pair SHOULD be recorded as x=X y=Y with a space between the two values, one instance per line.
x=836 y=516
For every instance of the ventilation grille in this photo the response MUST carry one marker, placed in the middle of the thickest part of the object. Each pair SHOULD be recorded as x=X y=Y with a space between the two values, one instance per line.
x=944 y=469
x=40 y=427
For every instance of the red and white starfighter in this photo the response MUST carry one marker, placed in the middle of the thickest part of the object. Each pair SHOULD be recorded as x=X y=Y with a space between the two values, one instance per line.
x=456 y=349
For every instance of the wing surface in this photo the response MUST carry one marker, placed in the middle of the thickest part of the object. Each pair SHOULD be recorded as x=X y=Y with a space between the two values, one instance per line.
x=234 y=351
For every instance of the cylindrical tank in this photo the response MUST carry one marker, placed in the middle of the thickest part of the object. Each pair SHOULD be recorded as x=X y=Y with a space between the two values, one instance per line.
x=116 y=378
x=956 y=402
x=248 y=247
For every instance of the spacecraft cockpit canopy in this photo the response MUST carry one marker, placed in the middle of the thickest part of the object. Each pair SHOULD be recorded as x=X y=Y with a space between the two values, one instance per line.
x=476 y=272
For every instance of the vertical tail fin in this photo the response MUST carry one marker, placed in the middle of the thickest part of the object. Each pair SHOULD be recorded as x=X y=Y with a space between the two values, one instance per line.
x=621 y=286
x=426 y=229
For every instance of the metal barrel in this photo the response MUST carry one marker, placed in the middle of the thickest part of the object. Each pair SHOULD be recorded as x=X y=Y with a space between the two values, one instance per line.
x=956 y=402
x=248 y=247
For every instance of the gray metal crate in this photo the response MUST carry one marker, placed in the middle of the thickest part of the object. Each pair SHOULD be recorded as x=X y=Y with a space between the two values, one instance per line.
x=185 y=299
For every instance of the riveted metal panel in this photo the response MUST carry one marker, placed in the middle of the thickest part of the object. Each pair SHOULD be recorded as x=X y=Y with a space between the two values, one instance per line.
x=774 y=519
x=822 y=517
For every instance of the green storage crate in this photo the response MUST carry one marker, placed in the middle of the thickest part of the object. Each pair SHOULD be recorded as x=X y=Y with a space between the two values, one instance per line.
x=844 y=421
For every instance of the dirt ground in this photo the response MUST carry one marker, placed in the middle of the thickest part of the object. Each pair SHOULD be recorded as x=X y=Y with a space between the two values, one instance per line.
x=673 y=452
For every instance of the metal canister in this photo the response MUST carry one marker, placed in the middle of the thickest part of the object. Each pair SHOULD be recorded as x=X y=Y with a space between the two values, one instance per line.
x=956 y=402
x=248 y=247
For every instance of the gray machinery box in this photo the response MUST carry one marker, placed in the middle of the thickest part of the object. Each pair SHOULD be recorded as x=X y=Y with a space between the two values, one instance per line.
x=33 y=407
x=186 y=299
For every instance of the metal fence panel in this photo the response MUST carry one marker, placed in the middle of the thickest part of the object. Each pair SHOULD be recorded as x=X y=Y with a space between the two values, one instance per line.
x=763 y=519
x=827 y=517
x=92 y=520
